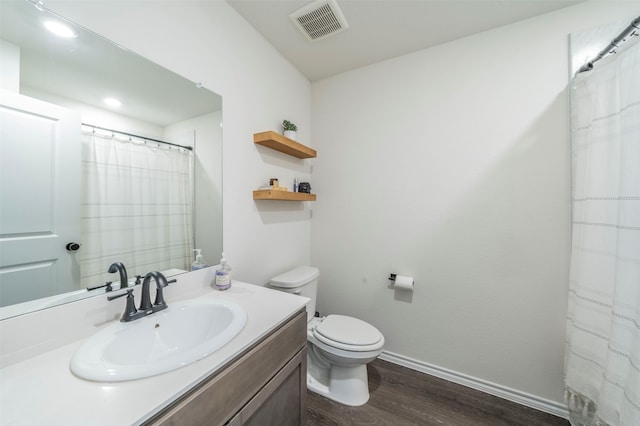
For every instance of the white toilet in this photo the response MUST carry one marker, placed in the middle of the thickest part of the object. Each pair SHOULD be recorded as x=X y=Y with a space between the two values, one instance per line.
x=338 y=347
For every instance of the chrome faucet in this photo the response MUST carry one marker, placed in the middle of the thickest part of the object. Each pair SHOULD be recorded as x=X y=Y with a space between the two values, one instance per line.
x=146 y=308
x=119 y=267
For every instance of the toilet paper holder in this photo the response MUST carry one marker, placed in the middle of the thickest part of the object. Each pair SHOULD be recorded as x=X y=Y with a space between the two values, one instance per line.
x=400 y=282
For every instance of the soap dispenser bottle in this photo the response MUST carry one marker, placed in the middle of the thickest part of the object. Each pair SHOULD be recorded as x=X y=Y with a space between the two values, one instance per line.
x=199 y=263
x=223 y=278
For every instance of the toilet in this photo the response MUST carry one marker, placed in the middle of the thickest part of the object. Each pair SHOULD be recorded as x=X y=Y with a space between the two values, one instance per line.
x=339 y=347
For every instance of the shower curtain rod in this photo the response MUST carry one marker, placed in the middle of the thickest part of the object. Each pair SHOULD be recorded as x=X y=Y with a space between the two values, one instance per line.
x=631 y=30
x=138 y=136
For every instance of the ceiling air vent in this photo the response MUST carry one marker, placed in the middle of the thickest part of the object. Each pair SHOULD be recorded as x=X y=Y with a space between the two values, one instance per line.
x=320 y=19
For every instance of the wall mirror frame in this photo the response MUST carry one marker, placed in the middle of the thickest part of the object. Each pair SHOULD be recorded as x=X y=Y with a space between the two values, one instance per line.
x=157 y=105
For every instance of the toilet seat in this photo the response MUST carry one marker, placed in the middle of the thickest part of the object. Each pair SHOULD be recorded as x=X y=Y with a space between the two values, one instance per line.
x=348 y=333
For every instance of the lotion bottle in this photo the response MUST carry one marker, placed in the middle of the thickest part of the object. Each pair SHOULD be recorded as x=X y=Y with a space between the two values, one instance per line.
x=223 y=278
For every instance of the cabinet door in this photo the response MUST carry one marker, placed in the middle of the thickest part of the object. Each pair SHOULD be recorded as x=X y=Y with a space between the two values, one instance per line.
x=282 y=401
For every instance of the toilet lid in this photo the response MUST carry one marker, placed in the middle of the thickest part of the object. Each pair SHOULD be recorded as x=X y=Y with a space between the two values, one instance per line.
x=347 y=331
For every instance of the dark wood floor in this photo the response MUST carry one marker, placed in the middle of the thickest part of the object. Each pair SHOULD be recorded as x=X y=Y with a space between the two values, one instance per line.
x=404 y=397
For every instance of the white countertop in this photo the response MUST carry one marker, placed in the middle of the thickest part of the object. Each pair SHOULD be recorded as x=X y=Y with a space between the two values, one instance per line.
x=42 y=390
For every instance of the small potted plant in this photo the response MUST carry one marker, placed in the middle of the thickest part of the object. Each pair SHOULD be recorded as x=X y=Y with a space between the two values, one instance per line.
x=289 y=129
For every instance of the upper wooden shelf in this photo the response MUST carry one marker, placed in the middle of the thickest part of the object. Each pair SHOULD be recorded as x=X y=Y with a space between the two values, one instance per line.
x=280 y=143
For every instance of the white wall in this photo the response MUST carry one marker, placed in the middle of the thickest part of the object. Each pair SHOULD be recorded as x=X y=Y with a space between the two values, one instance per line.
x=208 y=42
x=452 y=165
x=208 y=181
x=9 y=66
x=98 y=116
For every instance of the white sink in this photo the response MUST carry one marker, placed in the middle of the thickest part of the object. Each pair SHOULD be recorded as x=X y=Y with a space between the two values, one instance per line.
x=177 y=336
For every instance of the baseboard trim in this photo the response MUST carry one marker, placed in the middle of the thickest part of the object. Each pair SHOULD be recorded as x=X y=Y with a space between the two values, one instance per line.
x=494 y=389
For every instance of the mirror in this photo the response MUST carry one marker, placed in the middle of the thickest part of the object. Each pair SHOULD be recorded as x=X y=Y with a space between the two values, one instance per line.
x=76 y=195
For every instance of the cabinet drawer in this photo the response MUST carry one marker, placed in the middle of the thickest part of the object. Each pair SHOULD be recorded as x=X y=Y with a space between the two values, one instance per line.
x=224 y=393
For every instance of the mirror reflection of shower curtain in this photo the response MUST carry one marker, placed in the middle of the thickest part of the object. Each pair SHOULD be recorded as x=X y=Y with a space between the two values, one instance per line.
x=137 y=206
x=602 y=358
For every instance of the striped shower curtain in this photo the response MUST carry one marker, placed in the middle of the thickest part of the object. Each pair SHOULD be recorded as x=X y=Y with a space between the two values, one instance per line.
x=602 y=358
x=136 y=206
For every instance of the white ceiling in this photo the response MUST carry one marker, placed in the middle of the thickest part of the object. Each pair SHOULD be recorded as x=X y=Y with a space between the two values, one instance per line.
x=88 y=68
x=382 y=29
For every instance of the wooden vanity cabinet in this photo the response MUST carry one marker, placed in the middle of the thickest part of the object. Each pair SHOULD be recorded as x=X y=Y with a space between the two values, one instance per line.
x=265 y=385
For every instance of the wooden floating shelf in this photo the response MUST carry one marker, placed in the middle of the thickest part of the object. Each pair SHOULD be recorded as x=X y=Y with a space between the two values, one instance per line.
x=268 y=194
x=283 y=144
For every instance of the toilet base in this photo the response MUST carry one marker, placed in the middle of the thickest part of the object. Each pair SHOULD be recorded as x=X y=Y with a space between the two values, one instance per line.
x=346 y=385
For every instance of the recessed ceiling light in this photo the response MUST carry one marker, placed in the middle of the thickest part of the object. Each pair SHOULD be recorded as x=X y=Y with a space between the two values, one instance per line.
x=60 y=29
x=112 y=102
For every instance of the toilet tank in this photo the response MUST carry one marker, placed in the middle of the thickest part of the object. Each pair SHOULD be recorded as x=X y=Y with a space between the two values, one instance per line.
x=303 y=281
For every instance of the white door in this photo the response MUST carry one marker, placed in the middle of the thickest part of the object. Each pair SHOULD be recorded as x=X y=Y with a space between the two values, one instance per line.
x=39 y=198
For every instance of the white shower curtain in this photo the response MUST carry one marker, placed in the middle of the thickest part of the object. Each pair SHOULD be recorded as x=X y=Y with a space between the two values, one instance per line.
x=136 y=202
x=602 y=358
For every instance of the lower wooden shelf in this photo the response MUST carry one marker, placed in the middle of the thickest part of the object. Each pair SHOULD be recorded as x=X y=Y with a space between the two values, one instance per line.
x=267 y=194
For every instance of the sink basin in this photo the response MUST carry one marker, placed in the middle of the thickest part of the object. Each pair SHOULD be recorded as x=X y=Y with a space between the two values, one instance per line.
x=177 y=336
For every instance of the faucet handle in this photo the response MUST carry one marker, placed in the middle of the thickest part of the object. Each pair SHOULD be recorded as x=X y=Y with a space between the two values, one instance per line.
x=106 y=284
x=130 y=311
x=118 y=296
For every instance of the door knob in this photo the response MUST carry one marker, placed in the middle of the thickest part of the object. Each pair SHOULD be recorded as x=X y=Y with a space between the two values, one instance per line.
x=72 y=246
